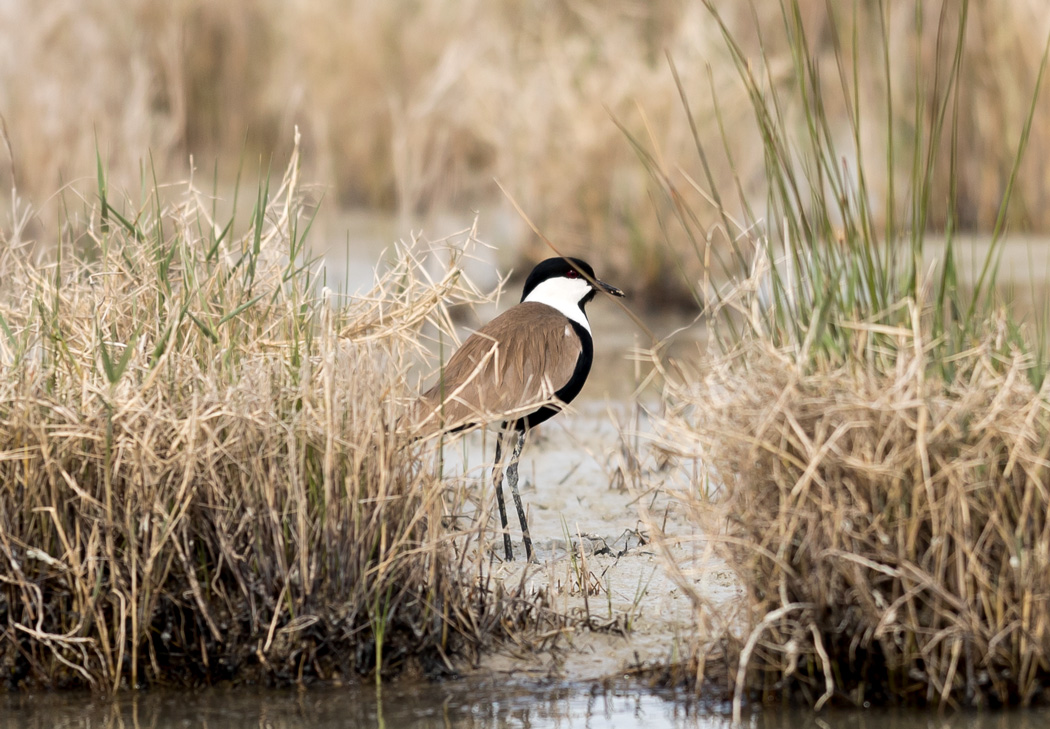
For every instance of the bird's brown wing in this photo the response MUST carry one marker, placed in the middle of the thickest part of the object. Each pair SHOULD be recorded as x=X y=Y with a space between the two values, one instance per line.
x=508 y=368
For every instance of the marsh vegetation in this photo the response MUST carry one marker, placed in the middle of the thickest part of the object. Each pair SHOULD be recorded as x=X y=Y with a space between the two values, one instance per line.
x=872 y=434
x=414 y=108
x=201 y=474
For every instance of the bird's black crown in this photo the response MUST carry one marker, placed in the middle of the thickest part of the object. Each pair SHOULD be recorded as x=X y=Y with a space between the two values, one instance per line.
x=556 y=268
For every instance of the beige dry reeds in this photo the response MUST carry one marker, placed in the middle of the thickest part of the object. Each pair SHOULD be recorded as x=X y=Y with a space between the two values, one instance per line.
x=200 y=477
x=870 y=433
x=889 y=528
x=415 y=110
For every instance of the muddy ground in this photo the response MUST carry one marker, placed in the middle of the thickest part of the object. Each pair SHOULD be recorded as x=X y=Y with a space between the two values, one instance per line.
x=595 y=552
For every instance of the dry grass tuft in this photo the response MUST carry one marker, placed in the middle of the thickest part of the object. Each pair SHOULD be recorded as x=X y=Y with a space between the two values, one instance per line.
x=890 y=529
x=200 y=479
x=873 y=435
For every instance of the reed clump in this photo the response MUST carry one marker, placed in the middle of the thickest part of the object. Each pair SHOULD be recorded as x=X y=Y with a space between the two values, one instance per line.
x=200 y=475
x=889 y=529
x=870 y=432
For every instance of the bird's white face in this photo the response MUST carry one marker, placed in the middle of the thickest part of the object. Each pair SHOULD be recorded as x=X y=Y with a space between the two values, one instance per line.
x=564 y=294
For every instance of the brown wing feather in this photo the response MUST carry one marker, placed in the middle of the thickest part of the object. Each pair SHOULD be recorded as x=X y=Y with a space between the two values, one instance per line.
x=509 y=367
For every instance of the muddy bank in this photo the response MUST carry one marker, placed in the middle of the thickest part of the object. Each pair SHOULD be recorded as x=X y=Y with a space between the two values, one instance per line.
x=595 y=560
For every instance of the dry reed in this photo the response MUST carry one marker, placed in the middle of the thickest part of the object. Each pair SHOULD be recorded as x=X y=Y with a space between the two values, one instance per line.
x=418 y=111
x=200 y=477
x=872 y=435
x=889 y=527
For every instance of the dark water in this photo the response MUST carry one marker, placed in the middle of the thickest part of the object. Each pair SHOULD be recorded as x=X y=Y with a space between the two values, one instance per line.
x=394 y=707
x=456 y=705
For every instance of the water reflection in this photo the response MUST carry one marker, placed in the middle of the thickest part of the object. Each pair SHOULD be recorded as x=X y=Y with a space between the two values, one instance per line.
x=459 y=705
x=901 y=719
x=448 y=706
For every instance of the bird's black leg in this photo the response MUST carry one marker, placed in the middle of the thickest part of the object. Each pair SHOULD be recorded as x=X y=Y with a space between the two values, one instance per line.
x=512 y=476
x=497 y=480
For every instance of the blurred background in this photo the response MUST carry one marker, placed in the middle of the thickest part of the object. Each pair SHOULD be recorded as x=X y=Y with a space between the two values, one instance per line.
x=411 y=110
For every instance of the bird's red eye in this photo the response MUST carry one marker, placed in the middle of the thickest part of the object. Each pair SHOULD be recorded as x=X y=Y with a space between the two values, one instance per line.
x=572 y=273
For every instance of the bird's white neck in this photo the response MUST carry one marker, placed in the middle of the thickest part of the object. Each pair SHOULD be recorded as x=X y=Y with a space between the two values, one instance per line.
x=565 y=295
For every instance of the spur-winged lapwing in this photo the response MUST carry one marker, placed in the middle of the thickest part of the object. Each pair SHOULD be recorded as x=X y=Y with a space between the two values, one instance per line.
x=522 y=367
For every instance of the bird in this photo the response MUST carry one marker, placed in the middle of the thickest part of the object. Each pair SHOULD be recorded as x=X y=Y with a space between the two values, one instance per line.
x=522 y=367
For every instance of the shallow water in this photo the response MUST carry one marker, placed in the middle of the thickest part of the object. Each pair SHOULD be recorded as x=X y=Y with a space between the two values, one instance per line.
x=447 y=705
x=454 y=705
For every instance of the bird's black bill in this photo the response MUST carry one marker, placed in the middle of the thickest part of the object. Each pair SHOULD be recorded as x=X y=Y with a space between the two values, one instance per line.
x=611 y=290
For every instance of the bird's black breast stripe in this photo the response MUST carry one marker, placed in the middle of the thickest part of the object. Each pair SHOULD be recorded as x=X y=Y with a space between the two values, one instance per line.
x=572 y=387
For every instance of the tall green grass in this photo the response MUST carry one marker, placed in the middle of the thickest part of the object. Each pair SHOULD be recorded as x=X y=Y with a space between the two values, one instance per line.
x=826 y=252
